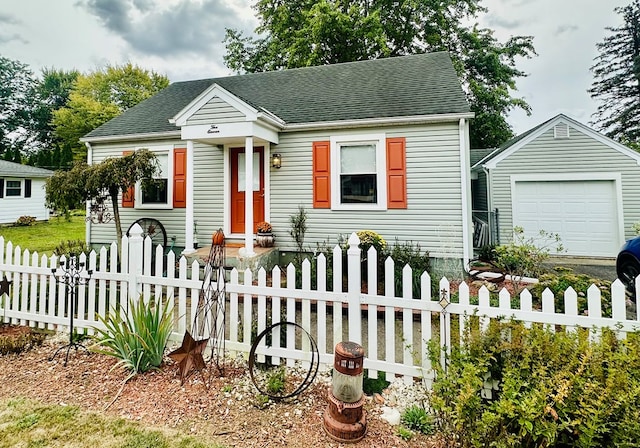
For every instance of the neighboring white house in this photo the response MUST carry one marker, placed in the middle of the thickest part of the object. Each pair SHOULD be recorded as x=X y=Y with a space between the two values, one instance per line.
x=22 y=192
x=379 y=145
x=563 y=177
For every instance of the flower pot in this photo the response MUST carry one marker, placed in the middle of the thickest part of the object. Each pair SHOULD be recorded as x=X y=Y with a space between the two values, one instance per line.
x=265 y=239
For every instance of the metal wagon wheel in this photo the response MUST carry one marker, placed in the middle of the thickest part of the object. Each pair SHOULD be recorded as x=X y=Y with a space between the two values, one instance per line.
x=153 y=229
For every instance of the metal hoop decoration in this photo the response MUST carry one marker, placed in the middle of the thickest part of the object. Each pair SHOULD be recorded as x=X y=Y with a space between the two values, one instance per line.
x=313 y=365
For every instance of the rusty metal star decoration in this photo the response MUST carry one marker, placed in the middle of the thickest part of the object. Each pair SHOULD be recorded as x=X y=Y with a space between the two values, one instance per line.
x=189 y=355
x=4 y=286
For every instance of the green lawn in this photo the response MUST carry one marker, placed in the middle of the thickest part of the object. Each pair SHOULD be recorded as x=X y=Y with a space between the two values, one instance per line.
x=26 y=423
x=44 y=237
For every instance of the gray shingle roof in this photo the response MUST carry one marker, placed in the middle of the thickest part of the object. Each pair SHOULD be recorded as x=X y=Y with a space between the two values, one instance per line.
x=11 y=169
x=424 y=84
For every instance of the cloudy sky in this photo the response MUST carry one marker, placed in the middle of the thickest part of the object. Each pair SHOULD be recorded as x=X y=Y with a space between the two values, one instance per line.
x=183 y=39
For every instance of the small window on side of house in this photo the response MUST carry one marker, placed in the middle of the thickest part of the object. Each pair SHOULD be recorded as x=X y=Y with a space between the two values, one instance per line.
x=13 y=188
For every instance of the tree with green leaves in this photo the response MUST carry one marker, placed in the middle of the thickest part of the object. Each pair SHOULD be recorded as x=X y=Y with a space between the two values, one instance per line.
x=617 y=79
x=66 y=190
x=300 y=33
x=17 y=99
x=53 y=92
x=100 y=96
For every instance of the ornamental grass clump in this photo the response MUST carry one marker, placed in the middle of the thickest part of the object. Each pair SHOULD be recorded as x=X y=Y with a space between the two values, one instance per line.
x=137 y=336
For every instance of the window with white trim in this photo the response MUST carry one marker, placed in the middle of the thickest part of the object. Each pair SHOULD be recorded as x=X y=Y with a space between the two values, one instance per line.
x=358 y=179
x=13 y=189
x=158 y=192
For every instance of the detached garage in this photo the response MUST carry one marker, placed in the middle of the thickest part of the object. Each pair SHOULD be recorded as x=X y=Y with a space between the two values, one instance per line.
x=562 y=177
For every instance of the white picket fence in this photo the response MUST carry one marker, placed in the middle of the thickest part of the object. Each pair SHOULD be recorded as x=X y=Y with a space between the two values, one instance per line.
x=394 y=331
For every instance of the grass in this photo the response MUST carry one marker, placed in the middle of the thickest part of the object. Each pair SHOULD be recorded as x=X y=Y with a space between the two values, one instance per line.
x=45 y=236
x=27 y=423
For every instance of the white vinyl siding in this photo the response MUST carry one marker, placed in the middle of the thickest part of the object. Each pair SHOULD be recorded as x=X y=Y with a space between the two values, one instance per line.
x=216 y=111
x=579 y=153
x=433 y=216
x=13 y=207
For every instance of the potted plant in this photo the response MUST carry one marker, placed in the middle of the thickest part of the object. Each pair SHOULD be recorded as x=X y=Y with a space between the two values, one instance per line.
x=264 y=235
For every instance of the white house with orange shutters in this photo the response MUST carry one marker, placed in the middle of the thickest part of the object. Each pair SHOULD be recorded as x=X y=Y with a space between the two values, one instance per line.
x=376 y=145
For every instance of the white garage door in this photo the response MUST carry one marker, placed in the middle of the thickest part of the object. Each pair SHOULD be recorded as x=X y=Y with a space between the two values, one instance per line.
x=583 y=212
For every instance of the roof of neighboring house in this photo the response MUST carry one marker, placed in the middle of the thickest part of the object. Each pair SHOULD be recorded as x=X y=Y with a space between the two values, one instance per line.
x=415 y=85
x=12 y=169
x=478 y=154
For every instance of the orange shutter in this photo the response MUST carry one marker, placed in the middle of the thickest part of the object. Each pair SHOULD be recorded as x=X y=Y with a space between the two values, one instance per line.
x=396 y=173
x=321 y=175
x=180 y=178
x=129 y=195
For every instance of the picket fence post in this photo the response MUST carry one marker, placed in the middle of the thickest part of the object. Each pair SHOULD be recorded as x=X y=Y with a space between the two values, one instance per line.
x=354 y=289
x=135 y=261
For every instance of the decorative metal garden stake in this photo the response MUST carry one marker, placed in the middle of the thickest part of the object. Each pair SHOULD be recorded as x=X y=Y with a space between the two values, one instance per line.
x=344 y=419
x=71 y=274
x=209 y=321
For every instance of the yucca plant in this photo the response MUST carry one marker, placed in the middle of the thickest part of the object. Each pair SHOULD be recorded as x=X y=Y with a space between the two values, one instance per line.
x=137 y=336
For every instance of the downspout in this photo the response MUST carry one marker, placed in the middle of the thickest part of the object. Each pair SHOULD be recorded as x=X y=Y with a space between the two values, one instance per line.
x=87 y=225
x=487 y=174
x=465 y=182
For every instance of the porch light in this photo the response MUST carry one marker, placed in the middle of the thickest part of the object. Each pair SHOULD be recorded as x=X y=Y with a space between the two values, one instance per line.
x=276 y=160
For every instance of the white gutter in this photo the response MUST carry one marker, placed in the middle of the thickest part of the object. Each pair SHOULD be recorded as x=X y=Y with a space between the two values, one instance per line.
x=467 y=243
x=415 y=119
x=145 y=136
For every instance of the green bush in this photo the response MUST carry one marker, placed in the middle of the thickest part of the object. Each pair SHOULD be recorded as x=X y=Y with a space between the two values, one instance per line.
x=416 y=418
x=372 y=386
x=563 y=278
x=68 y=247
x=407 y=253
x=524 y=256
x=137 y=336
x=553 y=389
x=368 y=239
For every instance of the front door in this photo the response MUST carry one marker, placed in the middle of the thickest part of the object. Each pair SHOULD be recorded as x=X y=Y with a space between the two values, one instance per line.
x=238 y=188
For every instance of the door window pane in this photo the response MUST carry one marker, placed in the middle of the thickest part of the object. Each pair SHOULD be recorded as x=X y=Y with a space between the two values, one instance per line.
x=242 y=171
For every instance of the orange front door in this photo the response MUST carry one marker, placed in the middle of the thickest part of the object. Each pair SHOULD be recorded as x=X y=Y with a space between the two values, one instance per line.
x=238 y=187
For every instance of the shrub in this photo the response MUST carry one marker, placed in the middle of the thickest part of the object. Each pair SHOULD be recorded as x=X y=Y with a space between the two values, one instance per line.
x=550 y=389
x=563 y=278
x=523 y=257
x=416 y=418
x=297 y=231
x=137 y=336
x=368 y=239
x=24 y=221
x=372 y=386
x=72 y=247
x=18 y=343
x=407 y=253
x=487 y=253
x=276 y=380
